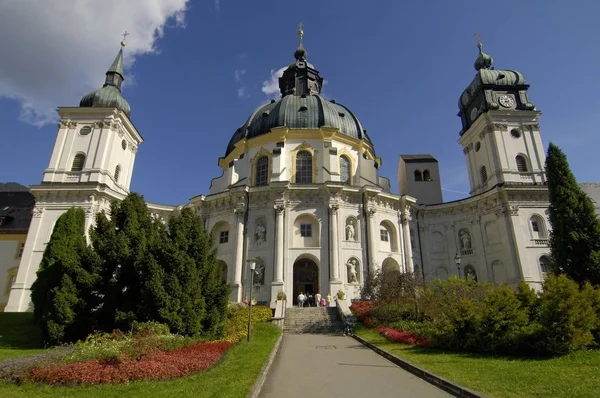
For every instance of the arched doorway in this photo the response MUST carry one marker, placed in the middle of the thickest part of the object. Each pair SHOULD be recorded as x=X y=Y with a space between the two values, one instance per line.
x=306 y=277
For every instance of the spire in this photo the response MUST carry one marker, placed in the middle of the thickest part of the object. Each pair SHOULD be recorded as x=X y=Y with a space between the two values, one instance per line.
x=300 y=54
x=114 y=74
x=483 y=61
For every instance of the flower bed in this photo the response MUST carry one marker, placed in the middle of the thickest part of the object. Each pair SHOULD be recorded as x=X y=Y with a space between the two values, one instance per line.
x=154 y=365
x=399 y=336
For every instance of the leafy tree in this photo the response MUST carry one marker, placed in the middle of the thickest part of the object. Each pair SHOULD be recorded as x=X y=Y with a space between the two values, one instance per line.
x=63 y=293
x=130 y=244
x=575 y=236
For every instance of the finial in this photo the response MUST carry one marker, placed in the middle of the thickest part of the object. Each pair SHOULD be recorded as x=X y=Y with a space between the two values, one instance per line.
x=300 y=53
x=123 y=42
x=300 y=31
x=483 y=61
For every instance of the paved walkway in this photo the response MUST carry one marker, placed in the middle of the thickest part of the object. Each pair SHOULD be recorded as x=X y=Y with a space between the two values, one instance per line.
x=314 y=366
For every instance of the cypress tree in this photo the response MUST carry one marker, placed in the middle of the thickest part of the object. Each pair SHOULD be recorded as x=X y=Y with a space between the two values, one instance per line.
x=130 y=244
x=204 y=293
x=63 y=293
x=575 y=236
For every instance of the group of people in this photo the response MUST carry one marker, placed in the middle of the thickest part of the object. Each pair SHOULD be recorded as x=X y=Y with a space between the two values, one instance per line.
x=308 y=300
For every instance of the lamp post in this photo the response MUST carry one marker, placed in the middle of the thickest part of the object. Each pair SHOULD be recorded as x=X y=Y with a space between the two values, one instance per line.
x=457 y=260
x=252 y=263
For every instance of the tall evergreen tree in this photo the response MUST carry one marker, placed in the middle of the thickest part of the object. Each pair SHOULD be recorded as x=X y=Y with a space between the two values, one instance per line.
x=63 y=293
x=575 y=236
x=130 y=244
x=205 y=292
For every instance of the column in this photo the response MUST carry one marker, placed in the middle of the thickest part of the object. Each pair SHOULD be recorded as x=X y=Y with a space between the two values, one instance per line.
x=373 y=237
x=236 y=291
x=333 y=228
x=279 y=249
x=406 y=217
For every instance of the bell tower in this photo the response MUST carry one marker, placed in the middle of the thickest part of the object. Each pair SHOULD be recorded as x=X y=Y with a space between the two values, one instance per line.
x=500 y=133
x=91 y=165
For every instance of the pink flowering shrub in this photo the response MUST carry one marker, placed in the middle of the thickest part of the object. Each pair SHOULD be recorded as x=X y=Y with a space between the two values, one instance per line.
x=153 y=365
x=399 y=336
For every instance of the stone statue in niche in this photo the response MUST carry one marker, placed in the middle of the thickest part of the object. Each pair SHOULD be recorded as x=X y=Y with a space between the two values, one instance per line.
x=350 y=231
x=352 y=272
x=465 y=240
x=259 y=276
x=470 y=273
x=261 y=234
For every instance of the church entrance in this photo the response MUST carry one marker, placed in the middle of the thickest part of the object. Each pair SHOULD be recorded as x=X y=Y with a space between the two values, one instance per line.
x=306 y=278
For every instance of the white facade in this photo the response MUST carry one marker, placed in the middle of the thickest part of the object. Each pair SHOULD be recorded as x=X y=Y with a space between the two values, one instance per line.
x=328 y=230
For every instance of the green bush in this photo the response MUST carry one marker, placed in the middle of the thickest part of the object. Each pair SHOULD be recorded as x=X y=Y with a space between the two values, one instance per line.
x=566 y=317
x=236 y=328
x=150 y=329
x=388 y=313
x=420 y=329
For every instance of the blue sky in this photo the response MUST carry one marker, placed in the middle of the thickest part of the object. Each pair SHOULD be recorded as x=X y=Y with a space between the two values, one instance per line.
x=400 y=66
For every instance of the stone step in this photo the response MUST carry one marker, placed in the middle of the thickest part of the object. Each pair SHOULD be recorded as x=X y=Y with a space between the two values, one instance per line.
x=316 y=320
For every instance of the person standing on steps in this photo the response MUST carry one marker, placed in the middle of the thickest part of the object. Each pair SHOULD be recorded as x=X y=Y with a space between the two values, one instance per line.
x=329 y=298
x=318 y=299
x=301 y=298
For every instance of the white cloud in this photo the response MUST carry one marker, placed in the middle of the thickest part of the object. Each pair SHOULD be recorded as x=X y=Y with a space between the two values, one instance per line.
x=218 y=5
x=241 y=91
x=54 y=51
x=271 y=87
x=238 y=73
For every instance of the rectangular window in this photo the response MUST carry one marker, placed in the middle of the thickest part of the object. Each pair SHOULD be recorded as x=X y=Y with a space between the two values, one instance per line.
x=384 y=235
x=306 y=230
x=535 y=227
x=224 y=237
x=21 y=248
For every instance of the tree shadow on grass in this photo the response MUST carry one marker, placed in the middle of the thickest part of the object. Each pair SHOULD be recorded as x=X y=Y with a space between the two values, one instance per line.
x=18 y=331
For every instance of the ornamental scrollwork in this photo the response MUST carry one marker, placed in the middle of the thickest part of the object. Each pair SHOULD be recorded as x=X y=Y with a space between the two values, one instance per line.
x=500 y=126
x=38 y=212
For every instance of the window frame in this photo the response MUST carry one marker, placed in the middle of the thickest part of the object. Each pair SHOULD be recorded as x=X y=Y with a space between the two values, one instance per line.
x=223 y=237
x=345 y=160
x=306 y=230
x=384 y=235
x=304 y=167
x=261 y=171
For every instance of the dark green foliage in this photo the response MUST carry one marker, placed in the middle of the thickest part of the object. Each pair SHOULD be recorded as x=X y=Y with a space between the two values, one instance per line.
x=391 y=312
x=575 y=236
x=150 y=329
x=63 y=293
x=130 y=245
x=566 y=317
x=205 y=306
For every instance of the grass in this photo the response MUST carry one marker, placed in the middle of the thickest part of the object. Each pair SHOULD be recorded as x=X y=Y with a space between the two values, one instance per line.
x=19 y=337
x=232 y=377
x=574 y=375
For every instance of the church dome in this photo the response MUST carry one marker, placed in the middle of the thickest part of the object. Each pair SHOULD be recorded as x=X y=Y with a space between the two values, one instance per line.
x=301 y=106
x=109 y=95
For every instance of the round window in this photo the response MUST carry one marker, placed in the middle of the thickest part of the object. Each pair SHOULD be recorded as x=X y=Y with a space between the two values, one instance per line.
x=477 y=146
x=85 y=130
x=515 y=133
x=124 y=144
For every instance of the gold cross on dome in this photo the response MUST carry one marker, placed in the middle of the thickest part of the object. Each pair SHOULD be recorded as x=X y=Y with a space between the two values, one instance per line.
x=300 y=30
x=125 y=35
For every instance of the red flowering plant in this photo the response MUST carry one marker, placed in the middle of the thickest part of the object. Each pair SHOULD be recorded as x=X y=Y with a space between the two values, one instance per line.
x=155 y=365
x=399 y=336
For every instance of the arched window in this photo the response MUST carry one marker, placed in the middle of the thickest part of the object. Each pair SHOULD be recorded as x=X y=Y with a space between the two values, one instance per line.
x=521 y=164
x=303 y=167
x=117 y=172
x=426 y=175
x=262 y=171
x=484 y=176
x=538 y=227
x=544 y=265
x=78 y=162
x=418 y=176
x=344 y=170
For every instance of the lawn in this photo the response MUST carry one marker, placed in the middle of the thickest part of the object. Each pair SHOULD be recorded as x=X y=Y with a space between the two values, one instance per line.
x=232 y=377
x=574 y=375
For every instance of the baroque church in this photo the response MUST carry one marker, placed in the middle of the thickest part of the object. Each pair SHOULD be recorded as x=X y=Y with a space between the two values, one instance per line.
x=300 y=191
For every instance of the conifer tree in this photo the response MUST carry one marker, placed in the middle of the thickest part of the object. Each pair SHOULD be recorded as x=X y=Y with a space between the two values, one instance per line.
x=575 y=236
x=63 y=293
x=205 y=292
x=130 y=245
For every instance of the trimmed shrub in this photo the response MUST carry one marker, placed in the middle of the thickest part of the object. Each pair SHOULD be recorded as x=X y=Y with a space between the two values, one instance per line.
x=150 y=329
x=388 y=313
x=236 y=328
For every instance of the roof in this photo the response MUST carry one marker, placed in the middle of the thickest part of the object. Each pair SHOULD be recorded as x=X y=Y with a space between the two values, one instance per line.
x=418 y=158
x=299 y=112
x=15 y=211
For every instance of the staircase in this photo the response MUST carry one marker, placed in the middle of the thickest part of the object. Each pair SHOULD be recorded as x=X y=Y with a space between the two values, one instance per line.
x=317 y=320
